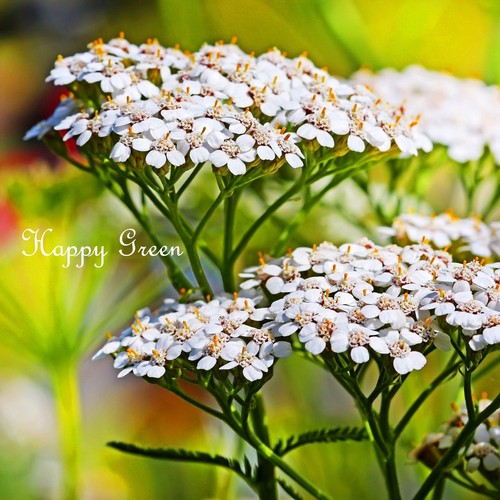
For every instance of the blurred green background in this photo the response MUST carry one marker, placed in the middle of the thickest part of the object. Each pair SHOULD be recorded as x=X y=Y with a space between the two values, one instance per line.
x=460 y=36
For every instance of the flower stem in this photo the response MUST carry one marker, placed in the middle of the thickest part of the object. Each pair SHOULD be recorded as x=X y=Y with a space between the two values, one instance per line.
x=65 y=386
x=230 y=205
x=175 y=274
x=266 y=471
x=447 y=372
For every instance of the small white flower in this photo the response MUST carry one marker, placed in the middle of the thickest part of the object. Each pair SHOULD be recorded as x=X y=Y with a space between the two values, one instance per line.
x=234 y=154
x=159 y=151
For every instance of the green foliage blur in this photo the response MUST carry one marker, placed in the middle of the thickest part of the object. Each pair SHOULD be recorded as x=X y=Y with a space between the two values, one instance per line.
x=460 y=36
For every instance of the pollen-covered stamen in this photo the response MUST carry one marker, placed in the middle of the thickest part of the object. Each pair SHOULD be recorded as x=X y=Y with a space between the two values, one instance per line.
x=230 y=148
x=356 y=316
x=408 y=304
x=424 y=330
x=468 y=271
x=133 y=355
x=163 y=145
x=388 y=303
x=216 y=345
x=358 y=338
x=471 y=307
x=289 y=273
x=230 y=325
x=320 y=120
x=326 y=329
x=482 y=450
x=304 y=318
x=245 y=359
x=261 y=336
x=184 y=333
x=492 y=321
x=399 y=349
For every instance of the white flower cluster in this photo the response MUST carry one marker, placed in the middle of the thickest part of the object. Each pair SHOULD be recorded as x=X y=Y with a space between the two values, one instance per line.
x=483 y=453
x=460 y=114
x=218 y=105
x=204 y=334
x=361 y=298
x=471 y=234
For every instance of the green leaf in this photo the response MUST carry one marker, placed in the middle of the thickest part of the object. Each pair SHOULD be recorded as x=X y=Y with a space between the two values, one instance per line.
x=288 y=489
x=321 y=436
x=181 y=455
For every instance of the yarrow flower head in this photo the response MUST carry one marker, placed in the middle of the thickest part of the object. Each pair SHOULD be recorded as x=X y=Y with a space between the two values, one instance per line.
x=207 y=335
x=482 y=454
x=466 y=235
x=166 y=108
x=369 y=300
x=459 y=114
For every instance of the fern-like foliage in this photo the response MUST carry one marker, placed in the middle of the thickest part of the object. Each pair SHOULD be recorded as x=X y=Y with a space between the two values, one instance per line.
x=289 y=490
x=331 y=435
x=244 y=470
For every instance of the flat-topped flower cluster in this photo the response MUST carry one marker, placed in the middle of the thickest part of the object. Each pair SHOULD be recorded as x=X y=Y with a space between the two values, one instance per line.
x=355 y=302
x=460 y=114
x=217 y=105
x=481 y=454
x=469 y=234
x=206 y=333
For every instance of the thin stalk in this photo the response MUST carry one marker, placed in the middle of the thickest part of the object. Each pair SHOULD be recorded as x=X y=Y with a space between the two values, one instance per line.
x=439 y=489
x=66 y=394
x=266 y=471
x=230 y=206
x=190 y=179
x=381 y=436
x=469 y=402
x=177 y=277
x=260 y=447
x=191 y=248
x=203 y=222
x=480 y=489
x=447 y=372
x=247 y=236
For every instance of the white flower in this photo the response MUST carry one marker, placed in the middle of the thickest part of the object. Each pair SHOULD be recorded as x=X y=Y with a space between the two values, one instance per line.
x=358 y=338
x=234 y=154
x=159 y=151
x=405 y=360
x=245 y=356
x=483 y=454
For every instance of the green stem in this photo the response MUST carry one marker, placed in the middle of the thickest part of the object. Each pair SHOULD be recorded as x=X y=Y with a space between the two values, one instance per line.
x=247 y=236
x=266 y=471
x=447 y=372
x=175 y=274
x=203 y=222
x=475 y=487
x=241 y=427
x=190 y=179
x=380 y=434
x=230 y=206
x=65 y=385
x=469 y=402
x=189 y=242
x=439 y=489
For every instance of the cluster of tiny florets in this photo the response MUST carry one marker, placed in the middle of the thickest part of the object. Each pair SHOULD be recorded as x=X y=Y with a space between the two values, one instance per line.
x=445 y=230
x=359 y=299
x=460 y=114
x=364 y=299
x=217 y=105
x=203 y=335
x=482 y=453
